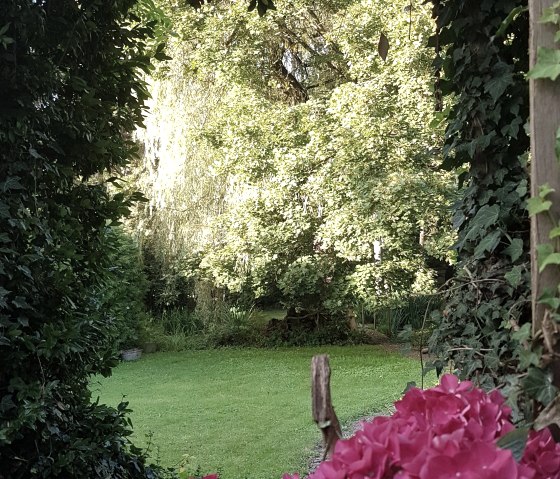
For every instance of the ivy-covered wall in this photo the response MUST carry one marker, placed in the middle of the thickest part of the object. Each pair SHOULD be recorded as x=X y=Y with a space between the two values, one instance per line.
x=483 y=60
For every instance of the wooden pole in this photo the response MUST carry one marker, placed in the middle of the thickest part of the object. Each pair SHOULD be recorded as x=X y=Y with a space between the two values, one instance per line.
x=545 y=121
x=321 y=405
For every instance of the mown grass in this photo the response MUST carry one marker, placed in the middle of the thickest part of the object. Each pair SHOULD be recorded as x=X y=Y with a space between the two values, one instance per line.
x=246 y=412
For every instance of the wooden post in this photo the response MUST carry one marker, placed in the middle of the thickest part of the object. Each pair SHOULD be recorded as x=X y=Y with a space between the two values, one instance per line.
x=323 y=411
x=545 y=121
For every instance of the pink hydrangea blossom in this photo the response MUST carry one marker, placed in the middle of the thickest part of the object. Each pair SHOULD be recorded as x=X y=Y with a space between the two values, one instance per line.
x=444 y=432
x=542 y=455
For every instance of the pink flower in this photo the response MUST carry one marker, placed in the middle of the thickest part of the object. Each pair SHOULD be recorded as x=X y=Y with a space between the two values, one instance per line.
x=446 y=431
x=290 y=476
x=542 y=455
x=478 y=461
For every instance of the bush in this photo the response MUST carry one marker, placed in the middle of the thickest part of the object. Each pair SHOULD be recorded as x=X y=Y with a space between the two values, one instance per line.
x=70 y=88
x=121 y=296
x=412 y=313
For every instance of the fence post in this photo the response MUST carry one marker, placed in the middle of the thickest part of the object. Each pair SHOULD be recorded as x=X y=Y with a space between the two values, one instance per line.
x=545 y=121
x=322 y=409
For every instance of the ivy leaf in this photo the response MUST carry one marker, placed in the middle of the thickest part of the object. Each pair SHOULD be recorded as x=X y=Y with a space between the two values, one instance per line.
x=538 y=385
x=486 y=216
x=528 y=358
x=20 y=302
x=554 y=232
x=5 y=28
x=550 y=259
x=547 y=66
x=551 y=15
x=522 y=188
x=523 y=334
x=383 y=46
x=515 y=441
x=497 y=85
x=491 y=360
x=515 y=249
x=537 y=205
x=548 y=299
x=543 y=251
x=488 y=243
x=514 y=277
x=11 y=183
x=545 y=190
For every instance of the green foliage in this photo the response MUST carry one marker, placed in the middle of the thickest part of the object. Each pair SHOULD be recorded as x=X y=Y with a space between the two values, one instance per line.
x=71 y=82
x=318 y=180
x=287 y=163
x=121 y=295
x=486 y=145
x=413 y=315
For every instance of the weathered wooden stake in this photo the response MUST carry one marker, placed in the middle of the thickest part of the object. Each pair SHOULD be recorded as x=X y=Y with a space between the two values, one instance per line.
x=323 y=411
x=545 y=120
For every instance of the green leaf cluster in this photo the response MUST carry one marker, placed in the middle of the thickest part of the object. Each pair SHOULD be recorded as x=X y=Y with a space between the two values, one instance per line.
x=316 y=165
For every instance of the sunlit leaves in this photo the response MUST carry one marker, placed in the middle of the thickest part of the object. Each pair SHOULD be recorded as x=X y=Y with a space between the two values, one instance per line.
x=312 y=188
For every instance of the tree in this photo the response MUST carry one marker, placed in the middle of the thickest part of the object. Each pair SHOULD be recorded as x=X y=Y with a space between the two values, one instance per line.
x=317 y=168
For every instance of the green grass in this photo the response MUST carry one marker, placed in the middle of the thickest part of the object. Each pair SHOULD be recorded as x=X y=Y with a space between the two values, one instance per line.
x=262 y=316
x=246 y=412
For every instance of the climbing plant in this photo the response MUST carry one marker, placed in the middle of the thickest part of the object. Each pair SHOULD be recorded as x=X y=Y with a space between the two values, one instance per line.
x=482 y=59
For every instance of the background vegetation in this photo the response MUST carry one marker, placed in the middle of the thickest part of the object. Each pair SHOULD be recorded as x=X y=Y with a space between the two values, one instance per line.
x=288 y=163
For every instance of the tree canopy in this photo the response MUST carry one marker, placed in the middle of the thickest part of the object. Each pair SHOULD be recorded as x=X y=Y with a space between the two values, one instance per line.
x=304 y=166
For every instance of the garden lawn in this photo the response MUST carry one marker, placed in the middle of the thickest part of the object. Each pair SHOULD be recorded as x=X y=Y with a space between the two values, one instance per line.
x=246 y=412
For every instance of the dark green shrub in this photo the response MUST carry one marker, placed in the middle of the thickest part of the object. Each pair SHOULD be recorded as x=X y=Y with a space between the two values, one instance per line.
x=305 y=329
x=170 y=285
x=412 y=313
x=121 y=296
x=70 y=87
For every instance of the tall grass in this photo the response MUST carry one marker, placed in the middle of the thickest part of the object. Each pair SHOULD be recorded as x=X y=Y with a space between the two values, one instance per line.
x=411 y=313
